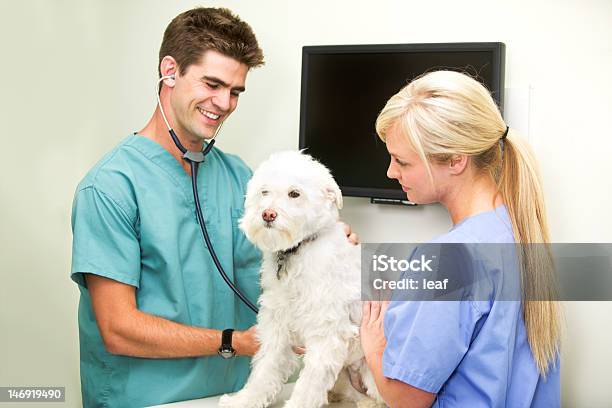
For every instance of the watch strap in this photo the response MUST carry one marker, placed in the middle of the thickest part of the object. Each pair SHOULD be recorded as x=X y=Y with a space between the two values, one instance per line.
x=226 y=339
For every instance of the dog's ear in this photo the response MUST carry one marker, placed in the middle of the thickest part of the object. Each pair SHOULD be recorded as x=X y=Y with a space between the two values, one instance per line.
x=334 y=194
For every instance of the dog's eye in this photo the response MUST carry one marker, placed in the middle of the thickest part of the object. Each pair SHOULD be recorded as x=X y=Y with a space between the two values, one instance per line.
x=264 y=192
x=294 y=194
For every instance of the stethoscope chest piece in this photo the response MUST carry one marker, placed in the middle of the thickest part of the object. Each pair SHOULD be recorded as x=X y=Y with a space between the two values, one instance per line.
x=196 y=157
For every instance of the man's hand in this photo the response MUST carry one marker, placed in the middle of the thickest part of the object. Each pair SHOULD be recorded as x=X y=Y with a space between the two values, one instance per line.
x=246 y=342
x=299 y=350
x=350 y=235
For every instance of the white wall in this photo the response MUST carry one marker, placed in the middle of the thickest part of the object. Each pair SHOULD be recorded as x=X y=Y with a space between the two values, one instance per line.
x=78 y=76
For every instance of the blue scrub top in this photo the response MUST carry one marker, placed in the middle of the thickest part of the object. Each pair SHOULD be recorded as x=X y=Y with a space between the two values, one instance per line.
x=134 y=221
x=470 y=353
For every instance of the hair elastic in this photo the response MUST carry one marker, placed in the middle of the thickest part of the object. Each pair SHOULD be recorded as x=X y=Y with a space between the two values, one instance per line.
x=505 y=133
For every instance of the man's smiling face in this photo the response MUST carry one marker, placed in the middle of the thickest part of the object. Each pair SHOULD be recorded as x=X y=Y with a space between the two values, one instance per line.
x=206 y=94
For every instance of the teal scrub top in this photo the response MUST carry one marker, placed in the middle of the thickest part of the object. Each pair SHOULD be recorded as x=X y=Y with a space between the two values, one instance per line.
x=134 y=221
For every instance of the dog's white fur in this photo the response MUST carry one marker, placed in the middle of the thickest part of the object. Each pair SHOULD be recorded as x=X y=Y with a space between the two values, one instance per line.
x=314 y=300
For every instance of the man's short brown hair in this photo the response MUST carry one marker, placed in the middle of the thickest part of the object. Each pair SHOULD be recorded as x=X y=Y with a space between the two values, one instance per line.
x=195 y=31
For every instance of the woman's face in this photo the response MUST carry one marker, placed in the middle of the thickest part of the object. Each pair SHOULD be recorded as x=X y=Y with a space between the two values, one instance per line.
x=409 y=170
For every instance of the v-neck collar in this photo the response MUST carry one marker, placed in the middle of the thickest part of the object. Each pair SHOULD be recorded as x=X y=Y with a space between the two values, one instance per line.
x=500 y=210
x=161 y=157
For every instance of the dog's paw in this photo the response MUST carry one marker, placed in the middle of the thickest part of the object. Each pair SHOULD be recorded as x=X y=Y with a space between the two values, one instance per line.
x=370 y=403
x=229 y=401
x=240 y=400
x=333 y=397
x=291 y=404
x=305 y=403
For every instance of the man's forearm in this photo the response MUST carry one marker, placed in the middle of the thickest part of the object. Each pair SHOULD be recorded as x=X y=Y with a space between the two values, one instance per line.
x=145 y=335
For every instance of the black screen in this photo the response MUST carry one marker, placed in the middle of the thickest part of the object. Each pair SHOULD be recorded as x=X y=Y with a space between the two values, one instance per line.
x=345 y=88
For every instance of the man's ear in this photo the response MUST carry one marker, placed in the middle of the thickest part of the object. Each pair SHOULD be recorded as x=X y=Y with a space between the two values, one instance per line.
x=458 y=163
x=168 y=67
x=333 y=193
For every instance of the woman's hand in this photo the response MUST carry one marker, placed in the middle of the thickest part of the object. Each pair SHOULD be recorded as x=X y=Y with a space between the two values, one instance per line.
x=373 y=341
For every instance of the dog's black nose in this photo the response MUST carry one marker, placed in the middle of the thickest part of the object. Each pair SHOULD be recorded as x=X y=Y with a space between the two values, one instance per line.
x=268 y=215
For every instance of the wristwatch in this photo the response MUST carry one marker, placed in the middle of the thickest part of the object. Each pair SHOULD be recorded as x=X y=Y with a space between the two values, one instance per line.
x=226 y=350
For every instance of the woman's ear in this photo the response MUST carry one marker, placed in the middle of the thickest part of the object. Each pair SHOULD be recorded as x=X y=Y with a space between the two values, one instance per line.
x=458 y=163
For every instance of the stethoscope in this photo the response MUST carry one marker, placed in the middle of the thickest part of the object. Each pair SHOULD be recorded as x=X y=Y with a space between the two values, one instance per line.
x=194 y=159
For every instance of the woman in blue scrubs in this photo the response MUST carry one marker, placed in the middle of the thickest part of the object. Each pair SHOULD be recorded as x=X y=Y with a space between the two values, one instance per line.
x=449 y=144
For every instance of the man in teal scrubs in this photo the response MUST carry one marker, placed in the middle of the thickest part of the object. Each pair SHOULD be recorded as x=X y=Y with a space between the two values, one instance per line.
x=152 y=303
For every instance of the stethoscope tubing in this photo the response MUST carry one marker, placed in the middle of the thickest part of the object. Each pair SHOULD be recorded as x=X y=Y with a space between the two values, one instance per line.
x=194 y=159
x=194 y=186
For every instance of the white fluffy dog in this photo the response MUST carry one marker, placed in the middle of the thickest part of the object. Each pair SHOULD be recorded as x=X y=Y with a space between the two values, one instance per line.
x=311 y=289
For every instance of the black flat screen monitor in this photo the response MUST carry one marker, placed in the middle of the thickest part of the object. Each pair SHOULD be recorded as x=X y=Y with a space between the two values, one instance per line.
x=344 y=87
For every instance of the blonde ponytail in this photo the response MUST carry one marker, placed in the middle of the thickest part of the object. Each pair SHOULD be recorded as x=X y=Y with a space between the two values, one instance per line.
x=445 y=113
x=520 y=187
